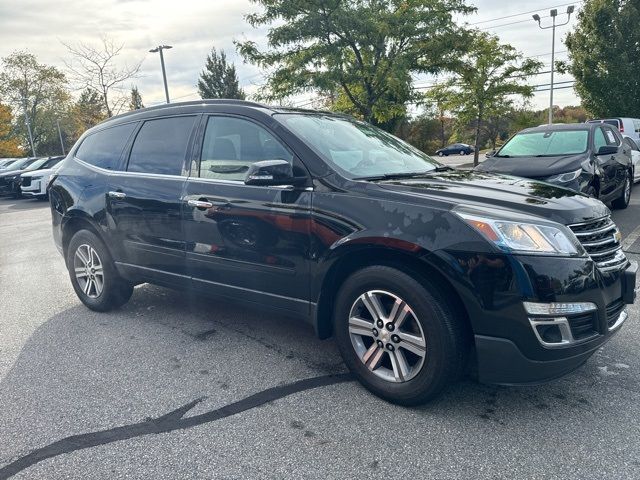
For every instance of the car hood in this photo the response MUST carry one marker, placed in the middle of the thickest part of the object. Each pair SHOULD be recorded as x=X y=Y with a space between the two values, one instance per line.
x=487 y=190
x=533 y=167
x=39 y=173
x=11 y=173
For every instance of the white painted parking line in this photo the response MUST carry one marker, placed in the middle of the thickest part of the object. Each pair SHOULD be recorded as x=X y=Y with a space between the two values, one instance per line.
x=631 y=239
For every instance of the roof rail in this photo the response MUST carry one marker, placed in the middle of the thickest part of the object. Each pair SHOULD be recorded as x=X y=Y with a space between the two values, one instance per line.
x=211 y=101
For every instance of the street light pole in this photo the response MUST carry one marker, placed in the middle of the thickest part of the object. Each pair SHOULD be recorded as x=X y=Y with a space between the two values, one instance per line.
x=60 y=135
x=553 y=14
x=28 y=124
x=159 y=48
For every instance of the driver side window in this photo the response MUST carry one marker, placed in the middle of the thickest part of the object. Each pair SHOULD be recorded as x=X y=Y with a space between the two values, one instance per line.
x=232 y=144
x=598 y=140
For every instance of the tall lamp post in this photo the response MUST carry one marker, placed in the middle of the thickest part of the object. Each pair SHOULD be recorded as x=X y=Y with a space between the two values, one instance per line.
x=159 y=48
x=553 y=14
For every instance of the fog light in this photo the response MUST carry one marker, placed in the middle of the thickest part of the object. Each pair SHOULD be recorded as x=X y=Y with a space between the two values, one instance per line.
x=559 y=308
x=552 y=332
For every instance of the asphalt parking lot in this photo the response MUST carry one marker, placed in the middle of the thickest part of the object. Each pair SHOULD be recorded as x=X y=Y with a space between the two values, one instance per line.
x=174 y=386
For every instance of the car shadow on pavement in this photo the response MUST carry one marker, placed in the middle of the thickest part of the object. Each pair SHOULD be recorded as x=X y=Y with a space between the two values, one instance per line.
x=170 y=361
x=23 y=204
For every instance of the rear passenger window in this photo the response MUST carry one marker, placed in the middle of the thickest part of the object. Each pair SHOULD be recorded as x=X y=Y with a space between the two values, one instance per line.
x=161 y=146
x=103 y=148
x=232 y=144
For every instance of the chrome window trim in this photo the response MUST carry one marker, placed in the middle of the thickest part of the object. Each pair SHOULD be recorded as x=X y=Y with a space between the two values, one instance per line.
x=106 y=171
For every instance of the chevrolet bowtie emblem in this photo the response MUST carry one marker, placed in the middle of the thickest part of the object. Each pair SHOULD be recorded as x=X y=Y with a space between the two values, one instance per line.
x=617 y=236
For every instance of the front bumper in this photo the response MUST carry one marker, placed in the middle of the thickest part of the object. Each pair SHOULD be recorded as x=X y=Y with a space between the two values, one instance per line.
x=502 y=361
x=34 y=190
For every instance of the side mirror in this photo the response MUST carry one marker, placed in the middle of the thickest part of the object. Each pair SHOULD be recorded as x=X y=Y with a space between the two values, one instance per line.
x=607 y=150
x=270 y=172
x=490 y=154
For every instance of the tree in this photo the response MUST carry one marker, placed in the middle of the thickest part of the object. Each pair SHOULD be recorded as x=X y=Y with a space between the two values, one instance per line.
x=219 y=78
x=9 y=141
x=136 y=99
x=35 y=89
x=95 y=68
x=87 y=112
x=437 y=100
x=604 y=58
x=486 y=77
x=365 y=50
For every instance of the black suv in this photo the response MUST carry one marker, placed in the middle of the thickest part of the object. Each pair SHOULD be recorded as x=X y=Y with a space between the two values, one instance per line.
x=586 y=157
x=418 y=270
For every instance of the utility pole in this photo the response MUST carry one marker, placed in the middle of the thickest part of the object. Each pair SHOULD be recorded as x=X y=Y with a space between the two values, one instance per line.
x=159 y=48
x=28 y=124
x=60 y=135
x=553 y=14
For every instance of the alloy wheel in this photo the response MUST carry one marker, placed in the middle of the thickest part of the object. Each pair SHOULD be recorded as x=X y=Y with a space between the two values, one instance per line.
x=88 y=270
x=386 y=335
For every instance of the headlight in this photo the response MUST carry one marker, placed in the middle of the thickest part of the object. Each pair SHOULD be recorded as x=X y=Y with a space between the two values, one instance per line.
x=564 y=177
x=525 y=237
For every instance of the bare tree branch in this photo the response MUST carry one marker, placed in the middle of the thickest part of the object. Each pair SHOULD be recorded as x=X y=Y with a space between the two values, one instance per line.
x=96 y=68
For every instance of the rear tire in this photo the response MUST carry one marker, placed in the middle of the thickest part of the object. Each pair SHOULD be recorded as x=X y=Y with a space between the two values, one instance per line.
x=623 y=200
x=429 y=364
x=93 y=274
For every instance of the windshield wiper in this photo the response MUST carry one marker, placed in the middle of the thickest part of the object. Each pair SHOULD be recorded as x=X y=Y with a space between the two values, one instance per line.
x=392 y=176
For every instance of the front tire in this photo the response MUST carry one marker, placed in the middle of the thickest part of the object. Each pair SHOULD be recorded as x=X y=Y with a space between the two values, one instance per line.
x=403 y=339
x=623 y=200
x=93 y=274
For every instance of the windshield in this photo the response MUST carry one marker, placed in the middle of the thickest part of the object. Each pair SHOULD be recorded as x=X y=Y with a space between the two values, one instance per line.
x=52 y=162
x=546 y=144
x=36 y=164
x=357 y=149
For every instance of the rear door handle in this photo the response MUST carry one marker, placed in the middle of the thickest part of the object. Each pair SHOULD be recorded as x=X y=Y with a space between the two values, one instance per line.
x=199 y=204
x=118 y=195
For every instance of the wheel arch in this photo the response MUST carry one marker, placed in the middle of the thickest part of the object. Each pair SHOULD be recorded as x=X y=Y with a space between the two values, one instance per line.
x=354 y=260
x=75 y=221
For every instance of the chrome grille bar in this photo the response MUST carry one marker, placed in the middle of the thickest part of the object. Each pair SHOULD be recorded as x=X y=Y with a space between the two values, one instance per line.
x=601 y=240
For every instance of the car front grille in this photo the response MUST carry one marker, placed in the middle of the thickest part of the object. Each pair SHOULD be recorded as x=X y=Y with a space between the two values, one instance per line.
x=613 y=311
x=582 y=326
x=601 y=240
x=26 y=181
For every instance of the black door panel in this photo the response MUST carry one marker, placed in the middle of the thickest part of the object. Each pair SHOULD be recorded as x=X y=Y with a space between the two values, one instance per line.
x=145 y=216
x=253 y=238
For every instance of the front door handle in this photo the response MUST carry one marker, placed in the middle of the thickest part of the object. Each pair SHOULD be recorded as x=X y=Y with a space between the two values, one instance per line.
x=199 y=204
x=118 y=195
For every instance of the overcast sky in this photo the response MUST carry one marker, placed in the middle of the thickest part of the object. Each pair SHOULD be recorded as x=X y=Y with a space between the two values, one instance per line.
x=194 y=26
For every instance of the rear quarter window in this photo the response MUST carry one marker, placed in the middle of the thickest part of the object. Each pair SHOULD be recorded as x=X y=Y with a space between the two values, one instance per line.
x=103 y=148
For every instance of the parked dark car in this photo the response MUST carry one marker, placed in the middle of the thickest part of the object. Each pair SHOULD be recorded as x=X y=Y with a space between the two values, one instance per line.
x=455 y=149
x=10 y=176
x=588 y=158
x=418 y=270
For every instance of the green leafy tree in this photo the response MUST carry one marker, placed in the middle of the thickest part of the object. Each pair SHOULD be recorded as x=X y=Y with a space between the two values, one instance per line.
x=136 y=99
x=88 y=111
x=362 y=50
x=604 y=57
x=37 y=89
x=486 y=78
x=437 y=100
x=219 y=78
